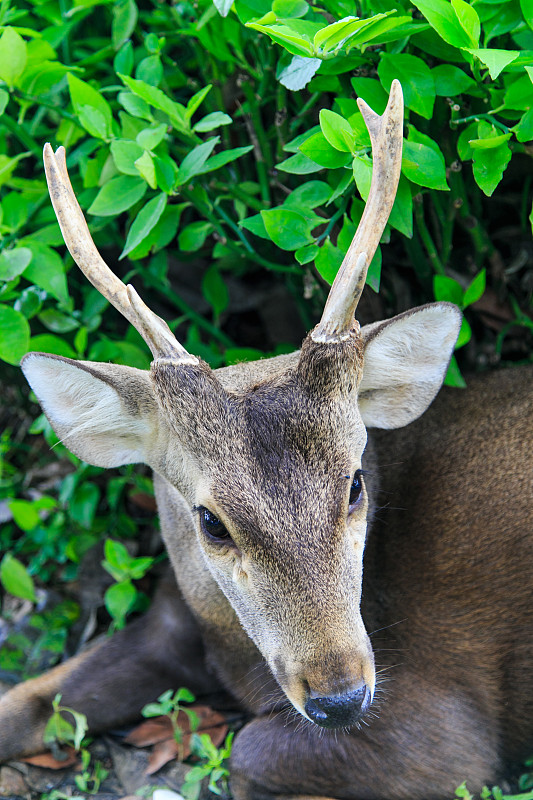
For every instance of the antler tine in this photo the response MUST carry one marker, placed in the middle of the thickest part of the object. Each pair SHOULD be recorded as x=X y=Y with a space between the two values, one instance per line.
x=386 y=138
x=152 y=328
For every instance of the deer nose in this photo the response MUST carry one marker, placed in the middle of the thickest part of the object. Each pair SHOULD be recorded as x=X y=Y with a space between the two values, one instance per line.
x=338 y=710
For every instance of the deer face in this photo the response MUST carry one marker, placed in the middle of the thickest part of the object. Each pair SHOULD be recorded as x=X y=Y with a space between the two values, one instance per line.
x=280 y=506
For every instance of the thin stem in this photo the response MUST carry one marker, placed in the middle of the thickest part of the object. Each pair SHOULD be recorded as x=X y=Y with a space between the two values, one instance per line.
x=427 y=240
x=336 y=216
x=193 y=316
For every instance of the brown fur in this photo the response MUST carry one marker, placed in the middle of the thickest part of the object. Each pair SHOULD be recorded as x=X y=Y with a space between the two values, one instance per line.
x=446 y=593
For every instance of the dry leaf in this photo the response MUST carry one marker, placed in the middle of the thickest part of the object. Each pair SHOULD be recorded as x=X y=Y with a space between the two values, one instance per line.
x=162 y=753
x=48 y=761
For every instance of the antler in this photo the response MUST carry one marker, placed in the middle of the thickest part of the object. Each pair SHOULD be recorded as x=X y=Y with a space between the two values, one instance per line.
x=152 y=328
x=386 y=137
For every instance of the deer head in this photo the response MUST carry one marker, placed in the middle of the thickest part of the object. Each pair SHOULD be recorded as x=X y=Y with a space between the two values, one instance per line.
x=266 y=455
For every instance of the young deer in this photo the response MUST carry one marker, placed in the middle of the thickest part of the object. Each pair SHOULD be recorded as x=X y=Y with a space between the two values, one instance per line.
x=266 y=479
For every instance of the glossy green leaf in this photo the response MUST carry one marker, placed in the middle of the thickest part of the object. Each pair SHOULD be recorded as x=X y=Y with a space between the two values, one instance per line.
x=423 y=166
x=443 y=19
x=14 y=262
x=448 y=289
x=451 y=80
x=93 y=110
x=287 y=228
x=306 y=254
x=25 y=514
x=495 y=60
x=4 y=100
x=16 y=579
x=319 y=150
x=146 y=168
x=489 y=166
x=299 y=72
x=117 y=196
x=46 y=270
x=310 y=194
x=13 y=56
x=223 y=158
x=196 y=101
x=193 y=236
x=124 y=21
x=337 y=131
x=158 y=99
x=14 y=335
x=328 y=261
x=125 y=153
x=194 y=161
x=48 y=343
x=476 y=288
x=145 y=220
x=149 y=138
x=119 y=599
x=291 y=35
x=415 y=76
x=212 y=121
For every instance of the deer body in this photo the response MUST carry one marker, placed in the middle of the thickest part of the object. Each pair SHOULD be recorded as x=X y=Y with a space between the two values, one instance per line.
x=268 y=492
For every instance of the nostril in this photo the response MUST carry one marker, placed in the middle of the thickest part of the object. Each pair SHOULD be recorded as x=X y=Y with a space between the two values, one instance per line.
x=339 y=710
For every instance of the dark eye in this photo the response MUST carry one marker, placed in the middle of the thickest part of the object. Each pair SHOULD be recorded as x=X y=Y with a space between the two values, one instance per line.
x=356 y=487
x=212 y=526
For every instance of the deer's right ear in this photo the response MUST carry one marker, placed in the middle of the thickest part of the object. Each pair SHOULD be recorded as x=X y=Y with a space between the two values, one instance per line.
x=105 y=413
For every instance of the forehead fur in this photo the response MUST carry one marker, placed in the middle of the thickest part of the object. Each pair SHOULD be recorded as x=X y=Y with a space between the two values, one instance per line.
x=275 y=453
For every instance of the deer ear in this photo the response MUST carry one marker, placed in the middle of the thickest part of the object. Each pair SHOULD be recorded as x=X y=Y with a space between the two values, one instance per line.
x=105 y=413
x=406 y=359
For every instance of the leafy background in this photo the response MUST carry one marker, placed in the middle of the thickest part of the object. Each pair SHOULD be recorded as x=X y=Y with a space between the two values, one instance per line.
x=220 y=157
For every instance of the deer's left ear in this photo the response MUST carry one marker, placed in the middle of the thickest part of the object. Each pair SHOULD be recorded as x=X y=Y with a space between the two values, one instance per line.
x=406 y=359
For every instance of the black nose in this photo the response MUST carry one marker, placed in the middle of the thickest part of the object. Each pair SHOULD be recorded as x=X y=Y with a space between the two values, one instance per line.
x=338 y=710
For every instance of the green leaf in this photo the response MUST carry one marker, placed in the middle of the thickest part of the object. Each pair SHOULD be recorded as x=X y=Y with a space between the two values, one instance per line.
x=194 y=161
x=468 y=19
x=337 y=131
x=196 y=101
x=495 y=60
x=454 y=378
x=48 y=343
x=307 y=253
x=527 y=11
x=491 y=154
x=149 y=138
x=25 y=514
x=350 y=29
x=443 y=19
x=14 y=262
x=135 y=106
x=145 y=220
x=319 y=150
x=372 y=92
x=328 y=261
x=193 y=236
x=212 y=121
x=158 y=99
x=298 y=164
x=146 y=168
x=415 y=76
x=524 y=129
x=451 y=80
x=476 y=289
x=4 y=99
x=125 y=153
x=519 y=95
x=13 y=56
x=93 y=110
x=401 y=216
x=46 y=270
x=226 y=157
x=124 y=59
x=215 y=290
x=292 y=35
x=124 y=21
x=299 y=72
x=150 y=70
x=287 y=229
x=448 y=290
x=119 y=599
x=290 y=8
x=310 y=194
x=423 y=166
x=117 y=196
x=223 y=7
x=16 y=579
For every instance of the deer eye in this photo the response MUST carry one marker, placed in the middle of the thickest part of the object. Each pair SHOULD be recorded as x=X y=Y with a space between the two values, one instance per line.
x=356 y=488
x=212 y=526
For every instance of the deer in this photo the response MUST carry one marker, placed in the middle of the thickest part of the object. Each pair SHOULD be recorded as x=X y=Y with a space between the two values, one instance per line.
x=397 y=683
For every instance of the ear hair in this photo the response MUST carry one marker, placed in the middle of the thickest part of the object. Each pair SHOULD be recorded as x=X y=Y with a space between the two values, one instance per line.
x=104 y=413
x=405 y=362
